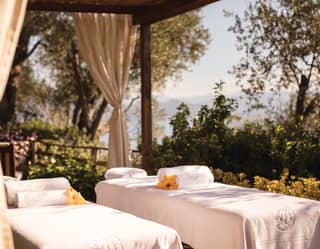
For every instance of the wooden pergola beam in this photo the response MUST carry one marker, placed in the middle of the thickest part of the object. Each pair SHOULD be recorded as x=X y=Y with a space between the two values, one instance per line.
x=81 y=7
x=152 y=14
x=148 y=11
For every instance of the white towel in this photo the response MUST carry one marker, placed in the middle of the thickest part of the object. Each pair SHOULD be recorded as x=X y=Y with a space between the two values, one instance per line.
x=9 y=178
x=188 y=175
x=124 y=172
x=41 y=198
x=13 y=187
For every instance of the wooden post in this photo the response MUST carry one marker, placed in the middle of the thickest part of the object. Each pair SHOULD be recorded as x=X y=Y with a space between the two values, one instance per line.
x=95 y=154
x=7 y=159
x=34 y=151
x=146 y=105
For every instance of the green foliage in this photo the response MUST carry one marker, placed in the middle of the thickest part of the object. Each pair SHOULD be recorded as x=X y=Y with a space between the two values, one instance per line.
x=296 y=148
x=177 y=43
x=288 y=185
x=57 y=134
x=77 y=167
x=34 y=98
x=248 y=150
x=281 y=40
x=255 y=149
x=74 y=164
x=35 y=25
x=199 y=140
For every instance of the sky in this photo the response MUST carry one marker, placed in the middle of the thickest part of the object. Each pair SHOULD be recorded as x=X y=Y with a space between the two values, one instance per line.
x=196 y=86
x=218 y=59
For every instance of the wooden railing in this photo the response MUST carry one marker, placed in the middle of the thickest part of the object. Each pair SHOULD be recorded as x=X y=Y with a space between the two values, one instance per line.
x=37 y=151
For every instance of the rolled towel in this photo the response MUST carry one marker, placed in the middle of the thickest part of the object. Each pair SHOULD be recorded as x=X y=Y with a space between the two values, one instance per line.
x=41 y=198
x=124 y=172
x=188 y=175
x=13 y=187
x=9 y=178
x=6 y=179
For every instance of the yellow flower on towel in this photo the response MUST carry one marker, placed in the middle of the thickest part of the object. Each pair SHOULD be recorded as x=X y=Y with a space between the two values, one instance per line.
x=74 y=197
x=169 y=182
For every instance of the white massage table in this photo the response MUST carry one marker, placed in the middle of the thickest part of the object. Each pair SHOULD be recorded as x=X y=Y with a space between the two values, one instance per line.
x=219 y=216
x=87 y=226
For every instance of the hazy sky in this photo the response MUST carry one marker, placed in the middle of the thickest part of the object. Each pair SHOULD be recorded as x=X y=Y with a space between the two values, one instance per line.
x=219 y=58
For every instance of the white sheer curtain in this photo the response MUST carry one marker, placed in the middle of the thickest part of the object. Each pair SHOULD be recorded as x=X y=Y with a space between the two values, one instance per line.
x=11 y=19
x=5 y=231
x=107 y=42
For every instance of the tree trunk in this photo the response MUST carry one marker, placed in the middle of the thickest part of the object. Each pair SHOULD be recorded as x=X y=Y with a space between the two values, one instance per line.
x=76 y=113
x=97 y=119
x=8 y=102
x=302 y=91
x=84 y=121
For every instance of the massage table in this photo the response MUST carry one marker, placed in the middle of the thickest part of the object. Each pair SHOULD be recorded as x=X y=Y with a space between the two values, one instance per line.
x=87 y=226
x=219 y=216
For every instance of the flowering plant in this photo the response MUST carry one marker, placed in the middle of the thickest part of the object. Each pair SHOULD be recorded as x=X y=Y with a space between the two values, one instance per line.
x=169 y=182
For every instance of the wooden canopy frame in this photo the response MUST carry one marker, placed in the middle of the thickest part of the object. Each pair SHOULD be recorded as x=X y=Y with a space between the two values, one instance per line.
x=144 y=12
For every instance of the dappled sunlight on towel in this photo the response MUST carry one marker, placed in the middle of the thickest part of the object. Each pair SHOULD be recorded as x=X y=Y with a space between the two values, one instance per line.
x=87 y=226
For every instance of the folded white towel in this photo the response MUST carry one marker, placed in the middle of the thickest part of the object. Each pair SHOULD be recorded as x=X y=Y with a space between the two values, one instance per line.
x=9 y=178
x=41 y=198
x=188 y=175
x=13 y=187
x=124 y=172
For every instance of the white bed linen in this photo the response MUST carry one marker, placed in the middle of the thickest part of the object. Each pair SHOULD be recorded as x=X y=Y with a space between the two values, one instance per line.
x=220 y=216
x=88 y=226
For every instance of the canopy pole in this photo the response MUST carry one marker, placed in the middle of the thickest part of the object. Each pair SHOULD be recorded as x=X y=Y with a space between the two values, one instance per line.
x=146 y=104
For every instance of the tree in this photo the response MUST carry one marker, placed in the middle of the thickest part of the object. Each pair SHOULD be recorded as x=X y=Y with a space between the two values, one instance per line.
x=34 y=25
x=35 y=99
x=177 y=43
x=75 y=93
x=281 y=42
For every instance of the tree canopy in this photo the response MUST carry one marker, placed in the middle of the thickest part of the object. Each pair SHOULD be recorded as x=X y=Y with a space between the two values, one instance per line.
x=281 y=43
x=34 y=27
x=177 y=43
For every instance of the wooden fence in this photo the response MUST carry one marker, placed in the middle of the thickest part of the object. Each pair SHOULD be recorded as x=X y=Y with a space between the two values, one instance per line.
x=42 y=148
x=38 y=149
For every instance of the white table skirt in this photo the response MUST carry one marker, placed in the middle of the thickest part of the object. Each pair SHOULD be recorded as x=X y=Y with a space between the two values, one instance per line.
x=219 y=216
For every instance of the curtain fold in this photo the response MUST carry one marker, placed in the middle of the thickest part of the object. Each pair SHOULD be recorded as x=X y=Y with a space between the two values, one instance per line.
x=11 y=20
x=6 y=241
x=106 y=42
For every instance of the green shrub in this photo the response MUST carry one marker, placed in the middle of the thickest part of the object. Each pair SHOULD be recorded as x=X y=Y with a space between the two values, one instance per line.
x=74 y=164
x=82 y=173
x=288 y=185
x=255 y=149
x=45 y=131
